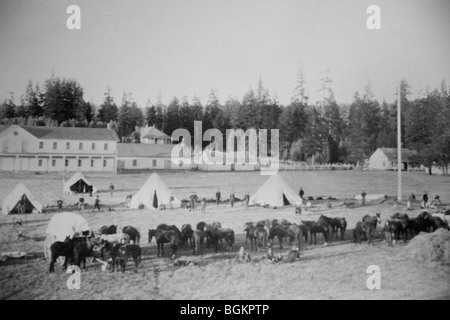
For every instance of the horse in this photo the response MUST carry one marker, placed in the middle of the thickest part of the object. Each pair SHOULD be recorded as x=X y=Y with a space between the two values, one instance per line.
x=186 y=234
x=112 y=239
x=249 y=229
x=399 y=215
x=198 y=237
x=61 y=249
x=316 y=227
x=134 y=234
x=112 y=229
x=261 y=237
x=161 y=236
x=226 y=234
x=357 y=232
x=414 y=226
x=295 y=234
x=397 y=226
x=121 y=253
x=83 y=248
x=201 y=226
x=166 y=227
x=336 y=225
x=280 y=232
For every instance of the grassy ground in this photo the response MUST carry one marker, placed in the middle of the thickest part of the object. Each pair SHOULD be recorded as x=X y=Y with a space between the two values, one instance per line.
x=336 y=271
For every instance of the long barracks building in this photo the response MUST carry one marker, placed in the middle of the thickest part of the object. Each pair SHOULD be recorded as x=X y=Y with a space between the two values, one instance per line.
x=57 y=149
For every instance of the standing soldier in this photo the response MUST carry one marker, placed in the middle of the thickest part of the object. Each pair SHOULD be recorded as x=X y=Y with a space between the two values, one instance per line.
x=81 y=204
x=203 y=204
x=301 y=193
x=60 y=203
x=171 y=200
x=232 y=198
x=247 y=199
x=363 y=195
x=96 y=204
x=218 y=197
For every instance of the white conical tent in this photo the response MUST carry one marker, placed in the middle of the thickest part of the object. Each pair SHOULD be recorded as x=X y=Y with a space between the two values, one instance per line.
x=146 y=193
x=78 y=183
x=276 y=193
x=9 y=204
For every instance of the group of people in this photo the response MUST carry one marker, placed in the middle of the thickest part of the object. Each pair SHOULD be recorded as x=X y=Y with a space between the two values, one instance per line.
x=194 y=199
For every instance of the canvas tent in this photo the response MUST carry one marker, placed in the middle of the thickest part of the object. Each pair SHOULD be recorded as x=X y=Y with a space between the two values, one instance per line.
x=275 y=192
x=146 y=195
x=79 y=184
x=20 y=193
x=66 y=224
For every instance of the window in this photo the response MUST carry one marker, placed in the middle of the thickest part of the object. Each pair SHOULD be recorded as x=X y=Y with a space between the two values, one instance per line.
x=53 y=163
x=93 y=146
x=67 y=145
x=104 y=163
x=41 y=144
x=92 y=163
x=106 y=146
x=134 y=163
x=55 y=145
x=24 y=146
x=80 y=162
x=67 y=163
x=40 y=162
x=5 y=146
x=15 y=133
x=154 y=163
x=81 y=145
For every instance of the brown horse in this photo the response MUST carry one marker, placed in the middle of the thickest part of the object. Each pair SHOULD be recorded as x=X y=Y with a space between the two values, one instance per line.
x=171 y=237
x=218 y=234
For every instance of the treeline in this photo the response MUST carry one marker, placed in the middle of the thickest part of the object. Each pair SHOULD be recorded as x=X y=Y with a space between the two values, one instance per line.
x=324 y=132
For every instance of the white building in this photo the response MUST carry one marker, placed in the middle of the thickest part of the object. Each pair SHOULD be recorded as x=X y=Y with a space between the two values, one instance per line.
x=142 y=156
x=151 y=135
x=386 y=159
x=57 y=149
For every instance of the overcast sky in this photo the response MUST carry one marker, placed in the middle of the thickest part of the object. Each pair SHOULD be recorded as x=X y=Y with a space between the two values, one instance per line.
x=189 y=47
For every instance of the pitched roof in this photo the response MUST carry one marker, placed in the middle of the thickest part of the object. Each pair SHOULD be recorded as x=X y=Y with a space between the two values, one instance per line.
x=144 y=150
x=152 y=133
x=70 y=133
x=391 y=153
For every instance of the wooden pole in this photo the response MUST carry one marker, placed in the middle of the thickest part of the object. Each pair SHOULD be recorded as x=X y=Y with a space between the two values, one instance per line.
x=399 y=147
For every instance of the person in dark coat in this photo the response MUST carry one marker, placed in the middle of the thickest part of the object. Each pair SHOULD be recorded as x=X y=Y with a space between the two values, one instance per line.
x=425 y=200
x=363 y=195
x=218 y=197
x=60 y=204
x=155 y=200
x=96 y=204
x=301 y=193
x=232 y=199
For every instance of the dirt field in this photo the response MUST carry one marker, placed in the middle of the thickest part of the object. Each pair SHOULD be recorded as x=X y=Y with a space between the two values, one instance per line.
x=336 y=271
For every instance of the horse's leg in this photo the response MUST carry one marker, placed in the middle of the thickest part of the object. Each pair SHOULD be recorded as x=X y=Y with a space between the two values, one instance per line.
x=280 y=240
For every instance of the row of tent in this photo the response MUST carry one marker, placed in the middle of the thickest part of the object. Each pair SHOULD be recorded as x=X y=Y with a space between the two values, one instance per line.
x=274 y=192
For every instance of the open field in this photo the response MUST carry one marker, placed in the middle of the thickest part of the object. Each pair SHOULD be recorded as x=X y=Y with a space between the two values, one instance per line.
x=336 y=271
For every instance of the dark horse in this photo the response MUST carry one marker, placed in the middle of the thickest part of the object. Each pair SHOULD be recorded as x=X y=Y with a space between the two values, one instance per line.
x=369 y=225
x=162 y=237
x=335 y=224
x=112 y=229
x=61 y=249
x=317 y=227
x=226 y=234
x=134 y=234
x=279 y=231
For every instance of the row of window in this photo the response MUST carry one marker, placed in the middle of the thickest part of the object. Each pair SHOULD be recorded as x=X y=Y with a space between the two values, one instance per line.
x=68 y=146
x=135 y=163
x=80 y=163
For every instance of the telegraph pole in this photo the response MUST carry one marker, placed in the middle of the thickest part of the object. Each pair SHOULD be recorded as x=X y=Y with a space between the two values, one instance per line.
x=399 y=147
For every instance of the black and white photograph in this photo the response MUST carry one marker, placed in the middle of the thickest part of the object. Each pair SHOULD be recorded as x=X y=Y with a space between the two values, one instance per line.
x=239 y=152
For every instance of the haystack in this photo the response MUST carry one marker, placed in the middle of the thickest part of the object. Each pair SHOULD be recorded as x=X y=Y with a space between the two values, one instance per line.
x=430 y=247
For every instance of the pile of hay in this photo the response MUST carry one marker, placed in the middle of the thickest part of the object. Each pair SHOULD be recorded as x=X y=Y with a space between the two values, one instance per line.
x=430 y=247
